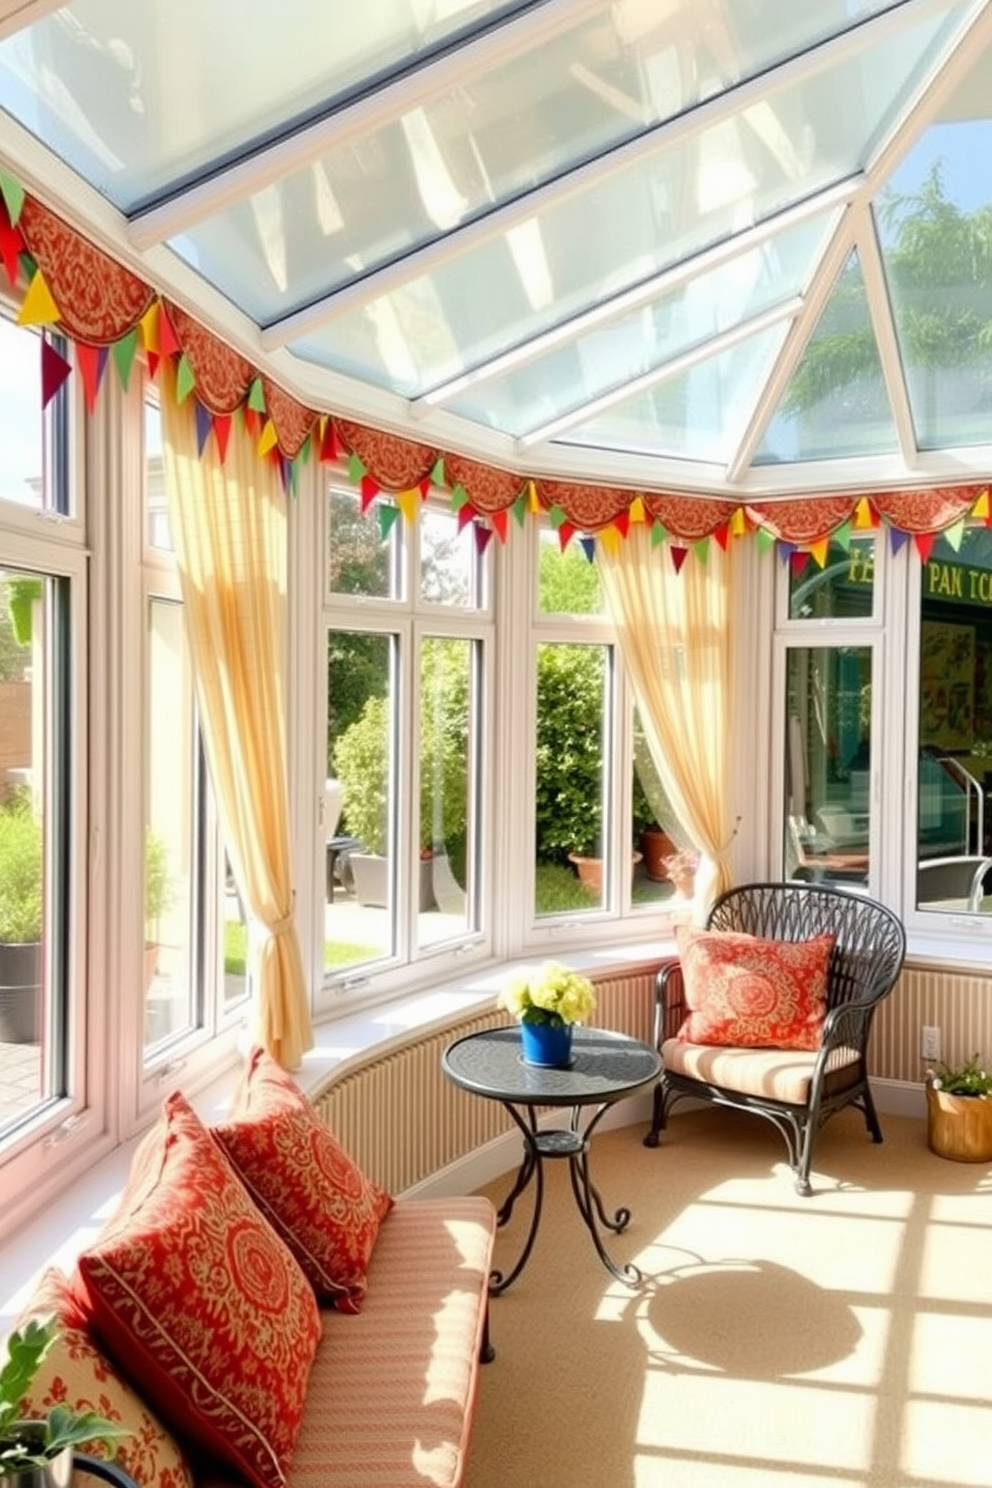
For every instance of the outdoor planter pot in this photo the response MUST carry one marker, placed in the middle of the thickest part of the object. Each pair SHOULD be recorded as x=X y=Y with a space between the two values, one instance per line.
x=959 y=1126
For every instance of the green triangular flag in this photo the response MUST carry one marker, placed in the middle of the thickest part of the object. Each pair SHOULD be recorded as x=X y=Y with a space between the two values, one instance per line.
x=658 y=534
x=766 y=540
x=123 y=353
x=459 y=496
x=955 y=535
x=185 y=381
x=437 y=474
x=519 y=509
x=388 y=516
x=256 y=396
x=355 y=468
x=842 y=536
x=556 y=517
x=702 y=549
x=303 y=454
x=13 y=197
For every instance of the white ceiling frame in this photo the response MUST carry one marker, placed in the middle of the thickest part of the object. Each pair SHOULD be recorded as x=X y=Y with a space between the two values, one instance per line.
x=499 y=220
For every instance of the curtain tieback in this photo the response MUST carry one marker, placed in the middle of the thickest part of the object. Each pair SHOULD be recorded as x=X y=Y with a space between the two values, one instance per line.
x=279 y=927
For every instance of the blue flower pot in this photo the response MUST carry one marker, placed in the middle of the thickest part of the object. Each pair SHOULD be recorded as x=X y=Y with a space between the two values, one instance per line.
x=547 y=1044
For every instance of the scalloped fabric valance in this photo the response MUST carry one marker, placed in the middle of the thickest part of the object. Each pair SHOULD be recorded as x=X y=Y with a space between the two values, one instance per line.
x=109 y=314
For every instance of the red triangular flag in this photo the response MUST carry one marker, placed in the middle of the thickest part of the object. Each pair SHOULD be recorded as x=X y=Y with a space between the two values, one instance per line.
x=565 y=534
x=152 y=360
x=54 y=371
x=483 y=537
x=466 y=514
x=924 y=544
x=499 y=520
x=370 y=490
x=329 y=443
x=168 y=341
x=622 y=522
x=679 y=555
x=798 y=561
x=425 y=487
x=722 y=535
x=11 y=247
x=222 y=433
x=91 y=361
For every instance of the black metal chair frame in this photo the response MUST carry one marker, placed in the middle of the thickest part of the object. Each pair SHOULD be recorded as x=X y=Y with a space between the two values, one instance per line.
x=868 y=953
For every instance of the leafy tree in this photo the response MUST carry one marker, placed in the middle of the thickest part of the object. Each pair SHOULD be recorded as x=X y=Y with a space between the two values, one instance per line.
x=570 y=693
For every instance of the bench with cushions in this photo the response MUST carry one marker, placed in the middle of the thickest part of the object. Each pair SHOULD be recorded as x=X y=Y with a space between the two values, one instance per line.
x=259 y=1312
x=769 y=1009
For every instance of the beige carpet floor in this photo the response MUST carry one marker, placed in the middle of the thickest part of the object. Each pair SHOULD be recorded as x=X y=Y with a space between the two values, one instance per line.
x=844 y=1338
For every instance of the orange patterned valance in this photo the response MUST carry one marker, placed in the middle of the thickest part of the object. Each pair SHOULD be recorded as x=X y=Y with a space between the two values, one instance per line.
x=67 y=282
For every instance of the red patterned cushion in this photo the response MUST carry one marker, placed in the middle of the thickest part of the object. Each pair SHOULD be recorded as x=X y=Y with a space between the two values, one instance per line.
x=75 y=1373
x=195 y=1296
x=304 y=1182
x=753 y=993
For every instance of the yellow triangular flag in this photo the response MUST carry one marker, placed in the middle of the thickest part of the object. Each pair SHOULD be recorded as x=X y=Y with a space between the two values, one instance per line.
x=610 y=540
x=738 y=523
x=981 y=506
x=269 y=438
x=409 y=504
x=532 y=500
x=38 y=307
x=149 y=326
x=819 y=551
x=637 y=512
x=862 y=514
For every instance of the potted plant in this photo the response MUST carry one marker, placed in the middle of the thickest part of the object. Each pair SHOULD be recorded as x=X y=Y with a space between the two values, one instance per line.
x=547 y=1004
x=42 y=1447
x=21 y=906
x=959 y=1111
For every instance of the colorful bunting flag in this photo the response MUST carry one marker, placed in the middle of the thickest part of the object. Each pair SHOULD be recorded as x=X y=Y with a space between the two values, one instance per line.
x=13 y=196
x=679 y=555
x=91 y=361
x=499 y=521
x=409 y=503
x=38 y=306
x=483 y=537
x=185 y=380
x=924 y=544
x=54 y=371
x=388 y=517
x=124 y=352
x=203 y=425
x=588 y=546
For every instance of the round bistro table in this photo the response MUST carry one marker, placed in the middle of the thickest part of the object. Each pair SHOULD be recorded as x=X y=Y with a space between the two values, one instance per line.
x=605 y=1067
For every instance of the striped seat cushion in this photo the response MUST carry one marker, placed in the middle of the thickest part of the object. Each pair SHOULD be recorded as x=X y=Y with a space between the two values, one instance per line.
x=391 y=1393
x=775 y=1074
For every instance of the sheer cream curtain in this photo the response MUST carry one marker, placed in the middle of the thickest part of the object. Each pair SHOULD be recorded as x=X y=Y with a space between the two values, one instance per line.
x=673 y=631
x=229 y=528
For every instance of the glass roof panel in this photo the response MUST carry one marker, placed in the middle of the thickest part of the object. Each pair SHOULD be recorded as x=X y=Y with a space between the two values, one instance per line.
x=138 y=97
x=510 y=125
x=802 y=136
x=934 y=222
x=699 y=415
x=836 y=403
x=613 y=355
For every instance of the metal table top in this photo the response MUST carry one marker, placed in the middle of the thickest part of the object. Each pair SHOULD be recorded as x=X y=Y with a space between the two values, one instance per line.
x=605 y=1067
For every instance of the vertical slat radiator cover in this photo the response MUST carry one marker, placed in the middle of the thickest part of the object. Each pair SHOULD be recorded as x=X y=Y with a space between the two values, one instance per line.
x=401 y=1120
x=958 y=1003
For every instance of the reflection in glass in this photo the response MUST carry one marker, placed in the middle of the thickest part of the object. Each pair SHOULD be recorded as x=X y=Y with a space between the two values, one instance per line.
x=444 y=864
x=359 y=561
x=828 y=763
x=359 y=799
x=571 y=758
x=843 y=589
x=169 y=848
x=954 y=871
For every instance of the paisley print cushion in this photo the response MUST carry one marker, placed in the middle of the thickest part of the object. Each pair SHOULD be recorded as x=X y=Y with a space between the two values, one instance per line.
x=304 y=1182
x=193 y=1294
x=75 y=1373
x=753 y=993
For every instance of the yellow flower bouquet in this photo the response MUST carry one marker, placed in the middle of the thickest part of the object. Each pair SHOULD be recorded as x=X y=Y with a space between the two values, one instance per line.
x=553 y=994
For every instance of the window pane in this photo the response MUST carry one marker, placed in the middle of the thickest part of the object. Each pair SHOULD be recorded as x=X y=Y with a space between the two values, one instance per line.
x=843 y=589
x=667 y=865
x=570 y=777
x=448 y=560
x=157 y=533
x=446 y=745
x=359 y=561
x=170 y=847
x=22 y=460
x=361 y=794
x=955 y=729
x=33 y=1034
x=568 y=584
x=828 y=775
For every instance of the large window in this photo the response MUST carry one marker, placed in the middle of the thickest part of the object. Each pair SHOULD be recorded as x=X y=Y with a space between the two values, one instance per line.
x=408 y=647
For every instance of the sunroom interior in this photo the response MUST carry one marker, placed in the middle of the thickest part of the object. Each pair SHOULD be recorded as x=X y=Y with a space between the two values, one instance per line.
x=595 y=403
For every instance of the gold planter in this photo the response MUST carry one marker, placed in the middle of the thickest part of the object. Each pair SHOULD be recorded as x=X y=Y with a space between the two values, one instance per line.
x=959 y=1126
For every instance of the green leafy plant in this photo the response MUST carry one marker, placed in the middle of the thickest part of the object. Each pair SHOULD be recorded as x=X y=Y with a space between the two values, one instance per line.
x=969 y=1078
x=160 y=891
x=21 y=871
x=29 y=1444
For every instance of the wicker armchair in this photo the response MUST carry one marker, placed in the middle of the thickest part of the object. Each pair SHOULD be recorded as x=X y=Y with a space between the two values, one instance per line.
x=795 y=1091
